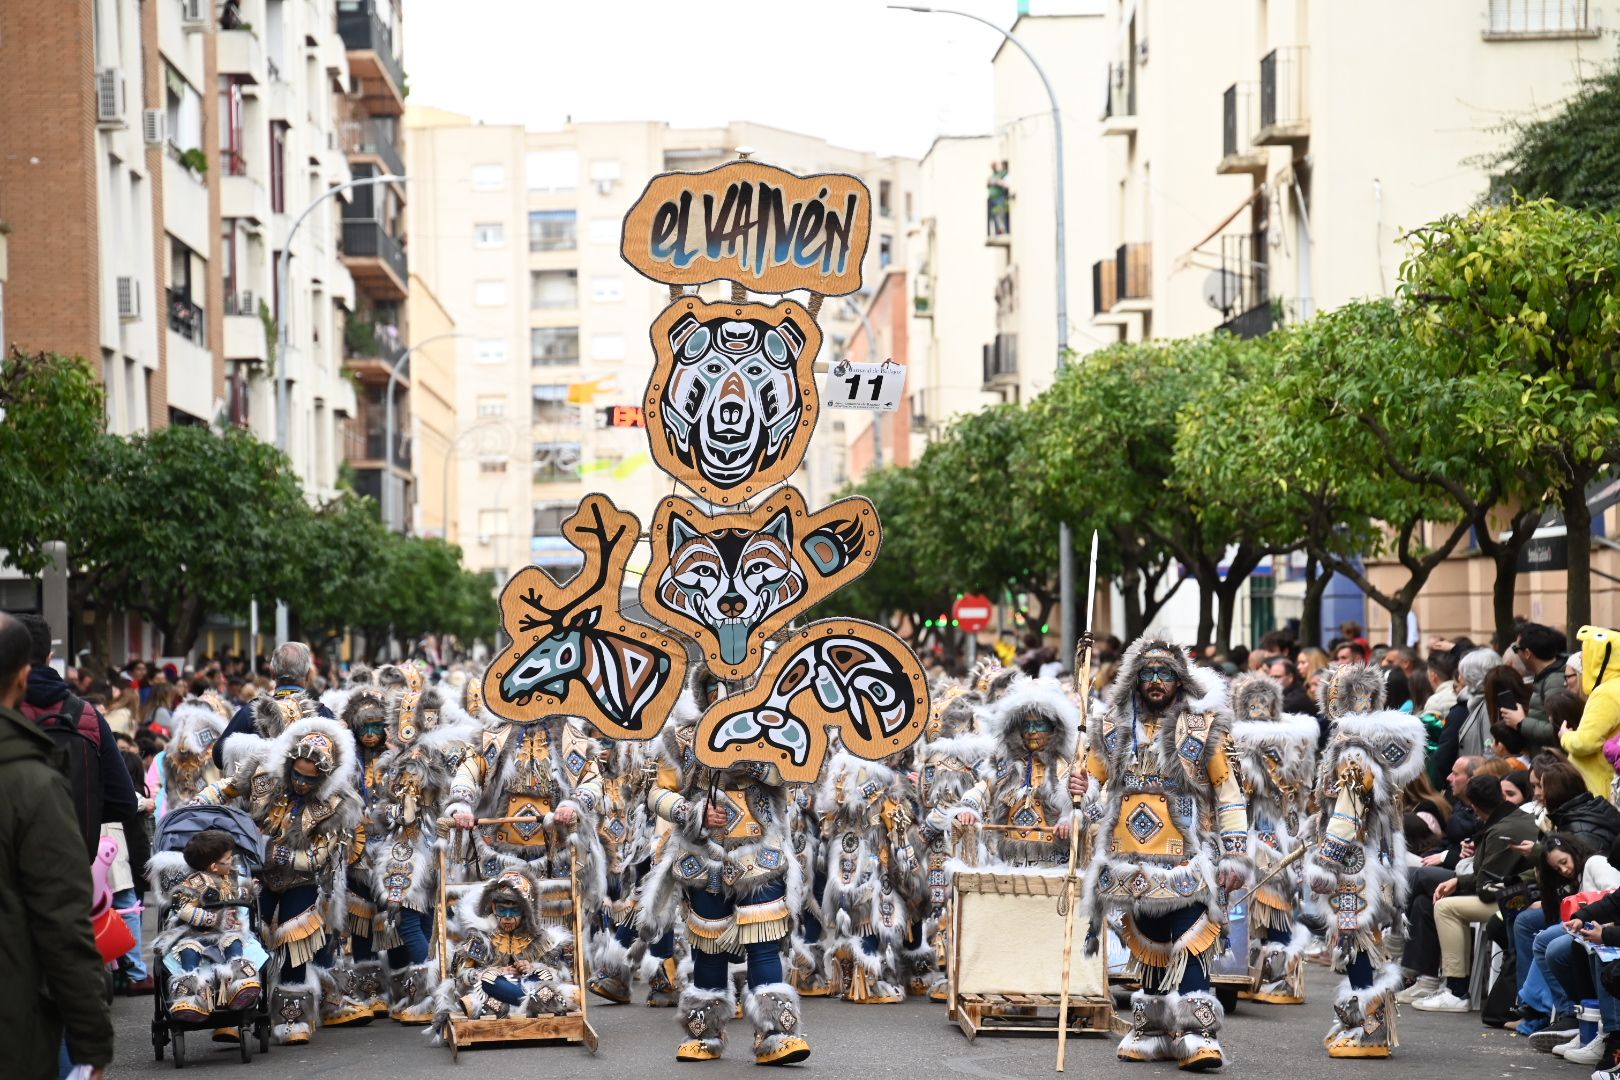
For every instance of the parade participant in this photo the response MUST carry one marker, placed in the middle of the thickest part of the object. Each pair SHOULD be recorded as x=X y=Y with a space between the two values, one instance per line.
x=875 y=895
x=301 y=792
x=1356 y=868
x=509 y=960
x=1276 y=758
x=426 y=741
x=293 y=667
x=1171 y=836
x=952 y=749
x=1027 y=788
x=730 y=855
x=358 y=994
x=188 y=763
x=213 y=959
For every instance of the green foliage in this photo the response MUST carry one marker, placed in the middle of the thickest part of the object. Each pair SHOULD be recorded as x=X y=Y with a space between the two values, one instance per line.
x=1572 y=156
x=53 y=417
x=196 y=160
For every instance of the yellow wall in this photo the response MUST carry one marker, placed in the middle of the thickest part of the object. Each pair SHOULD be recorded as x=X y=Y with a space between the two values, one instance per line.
x=433 y=411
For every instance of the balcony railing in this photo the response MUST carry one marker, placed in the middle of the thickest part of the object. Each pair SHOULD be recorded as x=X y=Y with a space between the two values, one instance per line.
x=369 y=340
x=1001 y=361
x=1506 y=19
x=377 y=139
x=1283 y=111
x=1121 y=95
x=362 y=31
x=376 y=445
x=368 y=240
x=1240 y=288
x=1104 y=285
x=1133 y=271
x=186 y=318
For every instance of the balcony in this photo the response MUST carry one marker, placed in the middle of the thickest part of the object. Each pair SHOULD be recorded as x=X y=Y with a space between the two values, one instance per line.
x=1119 y=100
x=241 y=57
x=1239 y=119
x=1284 y=111
x=242 y=196
x=375 y=260
x=1133 y=277
x=1239 y=289
x=373 y=58
x=1001 y=364
x=371 y=349
x=187 y=319
x=373 y=142
x=245 y=331
x=1104 y=286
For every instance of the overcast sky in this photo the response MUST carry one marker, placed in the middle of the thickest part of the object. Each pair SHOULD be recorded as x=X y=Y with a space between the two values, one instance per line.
x=847 y=70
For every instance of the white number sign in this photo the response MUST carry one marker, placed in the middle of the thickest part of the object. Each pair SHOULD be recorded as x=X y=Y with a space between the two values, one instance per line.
x=864 y=386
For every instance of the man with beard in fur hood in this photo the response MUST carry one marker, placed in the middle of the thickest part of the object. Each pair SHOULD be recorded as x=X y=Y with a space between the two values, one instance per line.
x=1356 y=868
x=1276 y=757
x=509 y=959
x=1172 y=837
x=427 y=738
x=728 y=860
x=300 y=791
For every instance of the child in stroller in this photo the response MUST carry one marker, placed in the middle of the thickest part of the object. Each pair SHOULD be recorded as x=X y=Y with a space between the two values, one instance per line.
x=207 y=947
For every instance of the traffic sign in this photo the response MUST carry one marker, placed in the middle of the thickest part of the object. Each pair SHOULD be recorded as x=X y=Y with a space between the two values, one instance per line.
x=972 y=613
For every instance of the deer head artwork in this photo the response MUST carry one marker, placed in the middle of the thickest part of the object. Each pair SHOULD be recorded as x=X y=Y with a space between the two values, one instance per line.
x=731 y=581
x=732 y=399
x=573 y=651
x=834 y=673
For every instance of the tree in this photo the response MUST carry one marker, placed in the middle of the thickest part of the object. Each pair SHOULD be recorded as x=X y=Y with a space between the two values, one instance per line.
x=53 y=415
x=341 y=572
x=1572 y=156
x=904 y=581
x=1532 y=290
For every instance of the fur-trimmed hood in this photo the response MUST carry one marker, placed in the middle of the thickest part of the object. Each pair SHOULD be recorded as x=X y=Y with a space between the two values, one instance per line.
x=1255 y=696
x=1202 y=689
x=194 y=728
x=344 y=773
x=1393 y=741
x=1288 y=741
x=956 y=714
x=1043 y=696
x=272 y=714
x=414 y=713
x=1353 y=689
x=360 y=705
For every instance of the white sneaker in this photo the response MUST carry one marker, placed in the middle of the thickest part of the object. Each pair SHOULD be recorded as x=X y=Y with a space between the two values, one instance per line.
x=1425 y=986
x=1590 y=1054
x=1444 y=1001
x=1573 y=1044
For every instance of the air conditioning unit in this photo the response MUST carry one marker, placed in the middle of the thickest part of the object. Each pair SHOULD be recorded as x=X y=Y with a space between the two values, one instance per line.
x=194 y=15
x=129 y=299
x=154 y=126
x=244 y=303
x=109 y=98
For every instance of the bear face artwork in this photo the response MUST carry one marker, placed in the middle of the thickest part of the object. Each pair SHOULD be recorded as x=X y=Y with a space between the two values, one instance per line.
x=731 y=581
x=731 y=402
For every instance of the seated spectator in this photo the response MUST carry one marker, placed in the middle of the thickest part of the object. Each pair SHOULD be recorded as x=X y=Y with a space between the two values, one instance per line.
x=1471 y=898
x=1577 y=970
x=1566 y=865
x=1571 y=808
x=1516 y=788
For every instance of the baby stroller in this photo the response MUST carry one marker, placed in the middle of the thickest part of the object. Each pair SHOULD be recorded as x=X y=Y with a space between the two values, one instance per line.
x=178 y=826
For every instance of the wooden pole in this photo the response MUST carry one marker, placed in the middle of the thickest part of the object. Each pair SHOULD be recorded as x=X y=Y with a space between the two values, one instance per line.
x=444 y=917
x=1083 y=686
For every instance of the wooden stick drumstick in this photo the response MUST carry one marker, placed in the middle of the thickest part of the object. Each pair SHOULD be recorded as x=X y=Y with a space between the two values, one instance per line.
x=1083 y=689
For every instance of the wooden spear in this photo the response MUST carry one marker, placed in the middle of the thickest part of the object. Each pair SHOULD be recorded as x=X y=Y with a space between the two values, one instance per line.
x=1082 y=665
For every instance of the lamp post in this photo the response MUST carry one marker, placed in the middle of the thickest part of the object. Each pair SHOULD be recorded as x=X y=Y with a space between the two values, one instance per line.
x=395 y=372
x=1065 y=538
x=283 y=303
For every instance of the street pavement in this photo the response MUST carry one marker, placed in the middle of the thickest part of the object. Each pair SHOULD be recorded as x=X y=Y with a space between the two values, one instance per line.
x=911 y=1040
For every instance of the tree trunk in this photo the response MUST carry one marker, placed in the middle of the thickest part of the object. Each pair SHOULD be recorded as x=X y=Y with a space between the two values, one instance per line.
x=1206 y=611
x=1399 y=607
x=1130 y=590
x=181 y=638
x=1578 y=534
x=1505 y=554
x=1238 y=571
x=1317 y=577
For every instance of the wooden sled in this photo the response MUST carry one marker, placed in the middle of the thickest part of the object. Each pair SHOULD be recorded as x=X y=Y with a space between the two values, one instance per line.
x=1005 y=959
x=574 y=1027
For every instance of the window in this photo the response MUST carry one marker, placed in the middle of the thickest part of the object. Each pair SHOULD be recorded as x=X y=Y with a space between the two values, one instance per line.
x=491 y=405
x=489 y=293
x=910 y=212
x=885 y=252
x=885 y=199
x=553 y=289
x=1537 y=17
x=551 y=230
x=604 y=169
x=607 y=290
x=491 y=523
x=489 y=235
x=554 y=346
x=551 y=405
x=604 y=230
x=549 y=518
x=556 y=462
x=278 y=166
x=607 y=346
x=491 y=351
x=488 y=177
x=552 y=170
x=489 y=463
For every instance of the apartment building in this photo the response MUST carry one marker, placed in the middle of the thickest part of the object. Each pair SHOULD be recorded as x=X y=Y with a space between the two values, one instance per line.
x=430 y=393
x=517 y=233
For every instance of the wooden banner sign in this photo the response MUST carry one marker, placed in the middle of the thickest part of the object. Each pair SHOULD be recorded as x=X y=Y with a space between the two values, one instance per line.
x=836 y=673
x=573 y=651
x=732 y=398
x=755 y=224
x=733 y=580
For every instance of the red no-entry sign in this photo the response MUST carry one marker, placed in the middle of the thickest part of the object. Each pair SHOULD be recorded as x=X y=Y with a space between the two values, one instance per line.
x=972 y=613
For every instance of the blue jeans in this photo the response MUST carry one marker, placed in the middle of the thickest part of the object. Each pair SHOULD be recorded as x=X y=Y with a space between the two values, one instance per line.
x=1541 y=991
x=1578 y=971
x=1531 y=921
x=128 y=905
x=503 y=989
x=413 y=939
x=764 y=958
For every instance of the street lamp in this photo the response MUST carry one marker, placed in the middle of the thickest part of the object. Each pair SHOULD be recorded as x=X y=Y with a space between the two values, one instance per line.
x=1065 y=538
x=283 y=302
x=394 y=374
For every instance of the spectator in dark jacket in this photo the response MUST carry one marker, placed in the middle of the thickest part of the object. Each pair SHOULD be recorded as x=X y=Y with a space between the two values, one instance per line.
x=54 y=978
x=1574 y=809
x=291 y=666
x=1541 y=650
x=46 y=692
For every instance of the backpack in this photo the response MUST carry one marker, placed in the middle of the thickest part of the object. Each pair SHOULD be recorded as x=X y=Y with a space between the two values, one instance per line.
x=72 y=725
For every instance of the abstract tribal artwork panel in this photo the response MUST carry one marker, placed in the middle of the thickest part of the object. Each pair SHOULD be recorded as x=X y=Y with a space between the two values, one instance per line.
x=573 y=651
x=835 y=673
x=732 y=399
x=731 y=581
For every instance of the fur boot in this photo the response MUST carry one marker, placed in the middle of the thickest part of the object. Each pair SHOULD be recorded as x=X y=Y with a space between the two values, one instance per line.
x=610 y=967
x=921 y=968
x=337 y=1007
x=1151 y=1027
x=1364 y=1020
x=294 y=1012
x=1281 y=971
x=663 y=981
x=411 y=994
x=367 y=985
x=805 y=972
x=702 y=1015
x=1196 y=1026
x=242 y=983
x=774 y=1011
x=191 y=996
